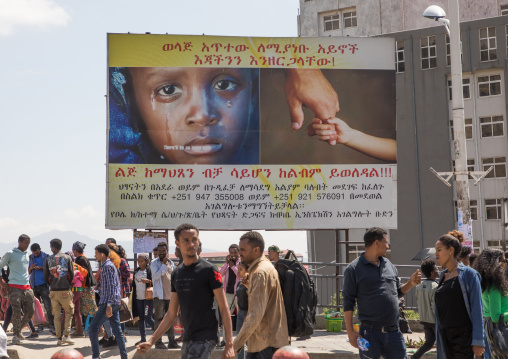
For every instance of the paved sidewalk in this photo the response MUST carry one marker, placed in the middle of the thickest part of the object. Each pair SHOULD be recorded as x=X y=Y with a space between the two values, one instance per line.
x=322 y=345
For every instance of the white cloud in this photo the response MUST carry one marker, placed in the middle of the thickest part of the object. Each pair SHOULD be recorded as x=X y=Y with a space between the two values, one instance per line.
x=38 y=13
x=8 y=222
x=77 y=213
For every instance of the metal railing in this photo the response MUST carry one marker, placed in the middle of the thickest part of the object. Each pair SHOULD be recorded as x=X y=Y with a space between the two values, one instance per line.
x=328 y=283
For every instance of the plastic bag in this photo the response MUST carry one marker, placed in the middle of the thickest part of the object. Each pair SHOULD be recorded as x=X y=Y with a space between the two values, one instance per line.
x=38 y=317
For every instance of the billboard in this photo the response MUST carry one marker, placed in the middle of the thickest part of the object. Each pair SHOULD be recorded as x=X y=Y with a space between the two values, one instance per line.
x=251 y=133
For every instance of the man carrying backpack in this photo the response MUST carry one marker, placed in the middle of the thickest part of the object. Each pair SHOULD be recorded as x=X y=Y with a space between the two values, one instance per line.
x=265 y=326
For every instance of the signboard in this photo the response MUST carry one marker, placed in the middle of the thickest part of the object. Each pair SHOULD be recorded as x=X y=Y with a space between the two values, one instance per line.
x=145 y=242
x=251 y=133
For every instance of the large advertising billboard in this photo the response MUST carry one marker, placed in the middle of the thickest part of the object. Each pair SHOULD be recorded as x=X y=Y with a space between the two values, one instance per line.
x=251 y=133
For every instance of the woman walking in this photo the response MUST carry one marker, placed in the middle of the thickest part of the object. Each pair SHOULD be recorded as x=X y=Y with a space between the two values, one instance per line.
x=459 y=322
x=142 y=306
x=491 y=265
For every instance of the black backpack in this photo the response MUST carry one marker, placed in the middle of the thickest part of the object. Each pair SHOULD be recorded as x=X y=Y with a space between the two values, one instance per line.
x=299 y=293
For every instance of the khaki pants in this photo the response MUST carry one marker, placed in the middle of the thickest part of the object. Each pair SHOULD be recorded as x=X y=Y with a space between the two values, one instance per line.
x=62 y=300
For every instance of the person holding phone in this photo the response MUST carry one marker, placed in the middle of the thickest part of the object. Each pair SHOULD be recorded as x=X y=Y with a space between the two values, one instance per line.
x=38 y=283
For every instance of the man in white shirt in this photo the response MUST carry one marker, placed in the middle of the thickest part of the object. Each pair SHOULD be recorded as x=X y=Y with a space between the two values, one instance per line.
x=162 y=267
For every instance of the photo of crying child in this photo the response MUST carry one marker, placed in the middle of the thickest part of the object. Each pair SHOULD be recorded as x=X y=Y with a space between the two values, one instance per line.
x=183 y=115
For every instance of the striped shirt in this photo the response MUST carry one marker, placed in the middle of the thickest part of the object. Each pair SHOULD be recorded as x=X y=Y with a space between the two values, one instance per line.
x=110 y=284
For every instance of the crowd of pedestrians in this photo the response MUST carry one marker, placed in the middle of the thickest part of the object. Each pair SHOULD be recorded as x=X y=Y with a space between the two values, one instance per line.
x=462 y=308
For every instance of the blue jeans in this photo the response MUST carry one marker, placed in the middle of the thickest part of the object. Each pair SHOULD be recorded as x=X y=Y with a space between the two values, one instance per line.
x=240 y=317
x=389 y=345
x=197 y=349
x=99 y=319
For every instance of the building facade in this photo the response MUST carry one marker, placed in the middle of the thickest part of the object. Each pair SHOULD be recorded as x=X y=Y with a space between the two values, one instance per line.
x=424 y=133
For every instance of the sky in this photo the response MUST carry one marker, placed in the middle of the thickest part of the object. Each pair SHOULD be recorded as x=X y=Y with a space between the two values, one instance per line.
x=53 y=106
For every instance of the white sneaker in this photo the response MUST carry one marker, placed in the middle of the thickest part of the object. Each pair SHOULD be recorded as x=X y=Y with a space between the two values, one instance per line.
x=59 y=342
x=67 y=340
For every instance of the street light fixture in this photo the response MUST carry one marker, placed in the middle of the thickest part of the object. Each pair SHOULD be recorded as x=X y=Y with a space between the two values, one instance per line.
x=436 y=13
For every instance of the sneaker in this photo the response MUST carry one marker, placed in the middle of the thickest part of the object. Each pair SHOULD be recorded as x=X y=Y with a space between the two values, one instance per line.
x=173 y=345
x=67 y=340
x=59 y=342
x=304 y=338
x=103 y=341
x=40 y=328
x=15 y=340
x=110 y=343
x=19 y=336
x=160 y=345
x=33 y=335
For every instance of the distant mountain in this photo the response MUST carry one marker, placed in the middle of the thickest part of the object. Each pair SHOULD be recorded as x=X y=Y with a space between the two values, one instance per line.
x=69 y=237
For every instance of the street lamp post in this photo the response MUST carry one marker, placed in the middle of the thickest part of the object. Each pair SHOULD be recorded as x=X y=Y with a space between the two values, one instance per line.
x=459 y=137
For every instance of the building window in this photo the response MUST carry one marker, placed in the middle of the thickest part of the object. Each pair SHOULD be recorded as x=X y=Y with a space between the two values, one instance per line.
x=493 y=208
x=399 y=56
x=489 y=85
x=504 y=10
x=332 y=22
x=448 y=51
x=468 y=127
x=466 y=88
x=488 y=48
x=473 y=207
x=349 y=18
x=492 y=126
x=429 y=57
x=499 y=170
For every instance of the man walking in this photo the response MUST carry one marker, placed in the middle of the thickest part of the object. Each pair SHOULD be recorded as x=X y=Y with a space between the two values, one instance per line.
x=372 y=282
x=425 y=292
x=109 y=304
x=229 y=273
x=265 y=326
x=274 y=254
x=59 y=273
x=19 y=291
x=38 y=283
x=195 y=284
x=162 y=267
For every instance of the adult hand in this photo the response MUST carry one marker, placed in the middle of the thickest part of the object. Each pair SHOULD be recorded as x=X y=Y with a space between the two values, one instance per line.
x=416 y=278
x=145 y=280
x=229 y=352
x=143 y=347
x=129 y=280
x=309 y=87
x=165 y=260
x=478 y=350
x=109 y=312
x=353 y=337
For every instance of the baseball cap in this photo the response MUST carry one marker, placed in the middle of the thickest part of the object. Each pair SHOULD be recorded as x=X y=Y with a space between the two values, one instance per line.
x=274 y=249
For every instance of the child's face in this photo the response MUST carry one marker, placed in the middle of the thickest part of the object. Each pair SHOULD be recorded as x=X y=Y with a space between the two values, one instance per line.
x=241 y=271
x=194 y=115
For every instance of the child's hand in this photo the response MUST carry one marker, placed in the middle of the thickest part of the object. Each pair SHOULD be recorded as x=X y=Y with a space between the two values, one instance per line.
x=333 y=130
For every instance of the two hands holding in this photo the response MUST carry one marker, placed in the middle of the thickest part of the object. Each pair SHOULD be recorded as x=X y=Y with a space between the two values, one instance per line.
x=309 y=87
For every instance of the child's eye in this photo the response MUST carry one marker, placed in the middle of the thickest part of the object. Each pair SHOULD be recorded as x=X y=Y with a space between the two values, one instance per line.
x=225 y=85
x=168 y=90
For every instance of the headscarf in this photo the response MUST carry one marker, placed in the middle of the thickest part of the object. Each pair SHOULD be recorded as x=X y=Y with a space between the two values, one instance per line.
x=79 y=246
x=145 y=256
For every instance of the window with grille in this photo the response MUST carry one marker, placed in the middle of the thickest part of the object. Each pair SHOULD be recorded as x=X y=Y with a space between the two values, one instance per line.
x=489 y=85
x=499 y=164
x=428 y=52
x=399 y=56
x=492 y=126
x=488 y=46
x=493 y=208
x=332 y=22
